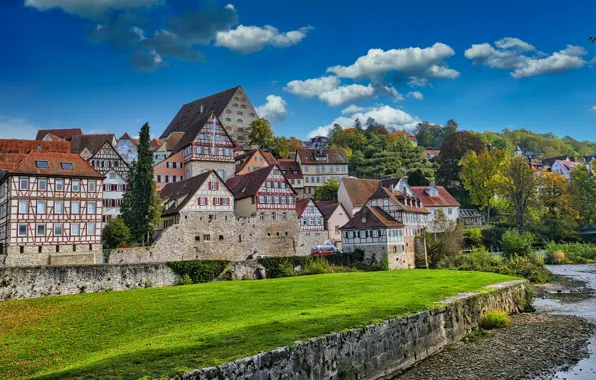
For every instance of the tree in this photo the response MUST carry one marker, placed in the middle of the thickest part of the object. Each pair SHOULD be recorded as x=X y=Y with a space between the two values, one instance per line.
x=327 y=191
x=519 y=188
x=417 y=178
x=450 y=128
x=294 y=143
x=583 y=193
x=453 y=149
x=481 y=174
x=261 y=134
x=281 y=147
x=115 y=233
x=427 y=133
x=560 y=215
x=141 y=206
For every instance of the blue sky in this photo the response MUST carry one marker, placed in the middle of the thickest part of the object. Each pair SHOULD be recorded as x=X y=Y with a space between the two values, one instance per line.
x=110 y=65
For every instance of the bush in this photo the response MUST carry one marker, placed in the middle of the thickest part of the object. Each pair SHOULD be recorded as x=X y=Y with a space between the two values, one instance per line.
x=474 y=237
x=494 y=320
x=515 y=243
x=491 y=237
x=199 y=271
x=576 y=253
x=115 y=234
x=186 y=280
x=444 y=244
x=318 y=265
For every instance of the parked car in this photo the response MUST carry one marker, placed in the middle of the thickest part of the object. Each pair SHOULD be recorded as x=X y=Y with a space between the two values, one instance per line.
x=324 y=250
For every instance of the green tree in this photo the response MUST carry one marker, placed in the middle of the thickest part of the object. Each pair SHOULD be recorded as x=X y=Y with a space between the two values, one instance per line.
x=560 y=218
x=519 y=188
x=115 y=233
x=583 y=193
x=427 y=134
x=140 y=203
x=327 y=191
x=281 y=147
x=453 y=149
x=294 y=143
x=261 y=134
x=481 y=174
x=450 y=128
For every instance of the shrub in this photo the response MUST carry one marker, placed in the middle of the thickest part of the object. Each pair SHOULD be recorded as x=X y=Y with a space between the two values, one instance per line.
x=474 y=237
x=186 y=280
x=115 y=234
x=494 y=320
x=491 y=237
x=515 y=243
x=576 y=253
x=475 y=335
x=318 y=265
x=199 y=270
x=277 y=267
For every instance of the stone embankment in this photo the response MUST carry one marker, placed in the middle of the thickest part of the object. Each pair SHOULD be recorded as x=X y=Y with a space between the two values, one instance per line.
x=376 y=351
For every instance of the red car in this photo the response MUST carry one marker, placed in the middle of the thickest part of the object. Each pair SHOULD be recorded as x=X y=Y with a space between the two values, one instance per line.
x=323 y=250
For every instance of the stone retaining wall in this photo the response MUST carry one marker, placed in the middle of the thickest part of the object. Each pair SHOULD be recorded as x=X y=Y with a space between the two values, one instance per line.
x=377 y=351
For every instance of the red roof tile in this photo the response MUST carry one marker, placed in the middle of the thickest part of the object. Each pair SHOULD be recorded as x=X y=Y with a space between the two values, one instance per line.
x=65 y=134
x=444 y=199
x=406 y=134
x=27 y=146
x=81 y=168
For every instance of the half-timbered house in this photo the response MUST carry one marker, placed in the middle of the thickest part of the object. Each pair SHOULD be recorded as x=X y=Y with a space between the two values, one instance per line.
x=265 y=192
x=127 y=148
x=310 y=216
x=51 y=209
x=87 y=145
x=114 y=187
x=206 y=193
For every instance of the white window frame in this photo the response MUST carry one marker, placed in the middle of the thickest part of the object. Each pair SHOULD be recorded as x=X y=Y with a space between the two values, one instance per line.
x=39 y=206
x=75 y=229
x=72 y=208
x=77 y=183
x=56 y=233
x=93 y=188
x=91 y=205
x=19 y=229
x=26 y=205
x=22 y=181
x=56 y=203
x=59 y=184
x=45 y=184
x=90 y=226
x=37 y=226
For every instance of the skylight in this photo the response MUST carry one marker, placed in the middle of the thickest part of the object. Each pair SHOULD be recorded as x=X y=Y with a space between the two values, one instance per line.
x=42 y=164
x=66 y=165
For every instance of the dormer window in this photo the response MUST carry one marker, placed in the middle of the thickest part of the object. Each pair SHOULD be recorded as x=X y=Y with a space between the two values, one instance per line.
x=42 y=164
x=66 y=165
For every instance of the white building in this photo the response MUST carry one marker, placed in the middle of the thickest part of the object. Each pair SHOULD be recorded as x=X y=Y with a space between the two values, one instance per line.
x=114 y=187
x=127 y=148
x=437 y=199
x=564 y=167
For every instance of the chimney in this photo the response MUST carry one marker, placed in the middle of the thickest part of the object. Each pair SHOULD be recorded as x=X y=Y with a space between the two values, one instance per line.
x=201 y=108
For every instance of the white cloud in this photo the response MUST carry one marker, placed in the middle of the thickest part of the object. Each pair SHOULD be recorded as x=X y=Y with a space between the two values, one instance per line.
x=418 y=82
x=17 y=128
x=274 y=110
x=415 y=95
x=91 y=8
x=249 y=39
x=414 y=61
x=347 y=94
x=509 y=55
x=593 y=109
x=386 y=115
x=231 y=7
x=312 y=87
x=352 y=109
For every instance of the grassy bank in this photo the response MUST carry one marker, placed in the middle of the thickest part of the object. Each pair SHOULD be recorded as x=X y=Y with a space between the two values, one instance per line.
x=153 y=332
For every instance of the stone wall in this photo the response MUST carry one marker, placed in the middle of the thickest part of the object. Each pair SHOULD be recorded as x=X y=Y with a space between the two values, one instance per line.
x=33 y=282
x=377 y=351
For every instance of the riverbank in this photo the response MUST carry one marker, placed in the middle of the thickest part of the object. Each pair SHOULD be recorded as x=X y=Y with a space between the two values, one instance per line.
x=534 y=346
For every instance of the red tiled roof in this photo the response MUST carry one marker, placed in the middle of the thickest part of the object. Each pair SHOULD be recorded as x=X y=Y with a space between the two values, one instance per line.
x=288 y=166
x=359 y=190
x=403 y=133
x=65 y=134
x=400 y=199
x=371 y=217
x=246 y=157
x=155 y=144
x=9 y=160
x=335 y=156
x=81 y=168
x=444 y=199
x=567 y=165
x=432 y=152
x=27 y=146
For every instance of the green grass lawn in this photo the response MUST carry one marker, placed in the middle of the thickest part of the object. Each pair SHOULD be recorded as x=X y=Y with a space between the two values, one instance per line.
x=153 y=332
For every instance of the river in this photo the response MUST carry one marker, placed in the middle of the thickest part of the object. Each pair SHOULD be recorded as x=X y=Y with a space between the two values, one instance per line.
x=575 y=301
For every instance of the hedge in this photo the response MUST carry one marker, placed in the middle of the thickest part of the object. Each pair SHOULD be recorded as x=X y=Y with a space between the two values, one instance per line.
x=200 y=270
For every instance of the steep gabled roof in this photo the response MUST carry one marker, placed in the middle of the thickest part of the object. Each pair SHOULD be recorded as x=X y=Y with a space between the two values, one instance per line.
x=194 y=129
x=91 y=142
x=81 y=168
x=327 y=208
x=302 y=204
x=289 y=166
x=9 y=160
x=332 y=156
x=405 y=134
x=155 y=144
x=115 y=151
x=126 y=136
x=65 y=133
x=371 y=217
x=246 y=157
x=444 y=199
x=399 y=199
x=359 y=190
x=568 y=165
x=184 y=190
x=16 y=146
x=248 y=184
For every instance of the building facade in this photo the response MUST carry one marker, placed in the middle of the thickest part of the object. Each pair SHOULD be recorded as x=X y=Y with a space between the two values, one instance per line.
x=564 y=167
x=265 y=193
x=169 y=170
x=51 y=211
x=319 y=166
x=309 y=215
x=114 y=187
x=127 y=148
x=335 y=216
x=436 y=199
x=253 y=160
x=292 y=171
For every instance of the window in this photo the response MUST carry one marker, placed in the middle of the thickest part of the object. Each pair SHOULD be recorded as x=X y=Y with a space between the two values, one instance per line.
x=42 y=184
x=262 y=216
x=41 y=207
x=24 y=184
x=58 y=207
x=66 y=165
x=23 y=206
x=284 y=215
x=213 y=185
x=375 y=233
x=239 y=113
x=75 y=229
x=59 y=185
x=22 y=230
x=92 y=186
x=449 y=211
x=206 y=237
x=90 y=228
x=91 y=206
x=239 y=121
x=40 y=230
x=76 y=208
x=42 y=164
x=76 y=185
x=58 y=229
x=202 y=201
x=273 y=216
x=222 y=175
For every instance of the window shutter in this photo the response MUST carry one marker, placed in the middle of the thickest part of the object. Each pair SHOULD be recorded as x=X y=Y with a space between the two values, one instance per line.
x=214 y=201
x=216 y=185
